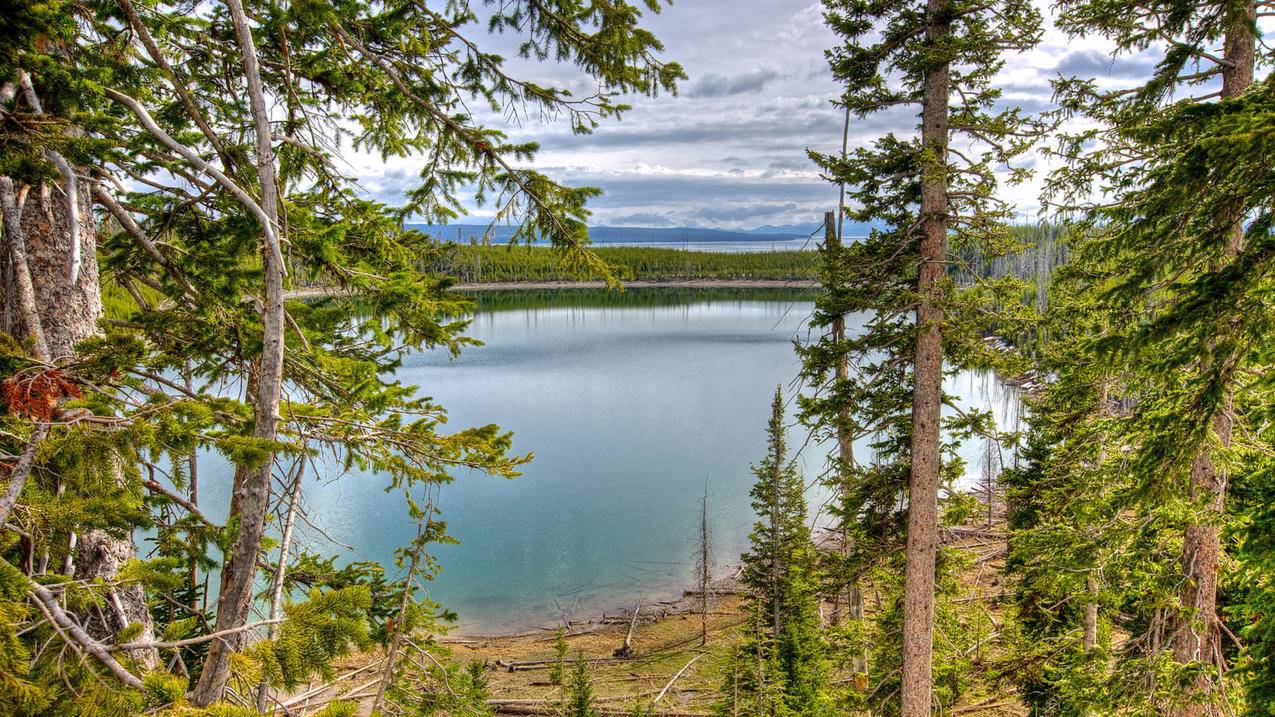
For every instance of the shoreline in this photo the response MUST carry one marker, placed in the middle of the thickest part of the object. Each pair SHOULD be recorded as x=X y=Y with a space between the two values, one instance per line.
x=654 y=605
x=320 y=292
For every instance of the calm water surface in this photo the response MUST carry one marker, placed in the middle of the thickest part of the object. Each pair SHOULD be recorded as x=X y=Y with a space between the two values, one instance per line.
x=629 y=410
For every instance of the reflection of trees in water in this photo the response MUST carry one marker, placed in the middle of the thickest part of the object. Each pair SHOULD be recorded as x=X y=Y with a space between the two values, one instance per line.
x=523 y=299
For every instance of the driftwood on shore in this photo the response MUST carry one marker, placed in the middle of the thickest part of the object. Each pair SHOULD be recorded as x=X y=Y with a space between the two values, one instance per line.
x=550 y=709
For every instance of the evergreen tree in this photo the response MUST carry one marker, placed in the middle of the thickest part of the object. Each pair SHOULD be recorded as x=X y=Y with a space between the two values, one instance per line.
x=1168 y=266
x=783 y=658
x=935 y=192
x=208 y=136
x=579 y=695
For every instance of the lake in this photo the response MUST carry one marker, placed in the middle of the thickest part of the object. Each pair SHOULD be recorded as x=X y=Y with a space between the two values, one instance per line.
x=630 y=407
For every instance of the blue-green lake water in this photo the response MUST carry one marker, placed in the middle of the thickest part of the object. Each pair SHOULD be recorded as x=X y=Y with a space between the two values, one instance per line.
x=628 y=409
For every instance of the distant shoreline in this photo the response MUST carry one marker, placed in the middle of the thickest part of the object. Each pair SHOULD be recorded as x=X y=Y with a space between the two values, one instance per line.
x=318 y=292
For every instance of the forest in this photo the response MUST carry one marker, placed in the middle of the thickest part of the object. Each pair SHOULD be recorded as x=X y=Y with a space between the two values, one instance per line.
x=172 y=173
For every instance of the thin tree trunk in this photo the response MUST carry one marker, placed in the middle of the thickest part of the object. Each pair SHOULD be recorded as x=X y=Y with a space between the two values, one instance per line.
x=705 y=579
x=21 y=469
x=251 y=497
x=400 y=624
x=281 y=573
x=845 y=447
x=922 y=542
x=1196 y=636
x=1091 y=613
x=23 y=288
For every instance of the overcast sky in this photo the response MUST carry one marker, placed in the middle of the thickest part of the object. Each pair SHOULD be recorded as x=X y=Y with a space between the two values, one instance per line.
x=729 y=150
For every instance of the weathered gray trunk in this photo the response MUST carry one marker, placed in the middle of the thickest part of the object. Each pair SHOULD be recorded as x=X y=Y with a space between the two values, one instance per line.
x=68 y=313
x=923 y=484
x=1091 y=613
x=251 y=496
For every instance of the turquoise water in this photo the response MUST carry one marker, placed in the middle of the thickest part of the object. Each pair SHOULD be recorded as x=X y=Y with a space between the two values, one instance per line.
x=629 y=410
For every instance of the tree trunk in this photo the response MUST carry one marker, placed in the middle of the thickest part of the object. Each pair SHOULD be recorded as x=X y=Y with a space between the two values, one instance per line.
x=845 y=454
x=251 y=496
x=281 y=572
x=19 y=292
x=922 y=543
x=1195 y=638
x=69 y=314
x=1091 y=613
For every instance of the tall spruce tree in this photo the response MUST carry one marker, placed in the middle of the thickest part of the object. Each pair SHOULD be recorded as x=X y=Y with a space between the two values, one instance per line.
x=183 y=160
x=782 y=662
x=935 y=192
x=1170 y=260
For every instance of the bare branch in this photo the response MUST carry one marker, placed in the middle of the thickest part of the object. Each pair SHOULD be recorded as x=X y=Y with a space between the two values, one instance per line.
x=74 y=635
x=198 y=162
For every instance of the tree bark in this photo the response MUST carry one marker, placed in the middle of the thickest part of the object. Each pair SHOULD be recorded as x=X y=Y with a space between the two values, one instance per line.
x=69 y=313
x=21 y=291
x=1091 y=614
x=927 y=393
x=1195 y=637
x=251 y=496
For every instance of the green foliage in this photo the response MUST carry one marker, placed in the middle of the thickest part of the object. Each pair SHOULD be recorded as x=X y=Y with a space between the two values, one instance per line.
x=478 y=264
x=326 y=626
x=783 y=656
x=163 y=689
x=1156 y=337
x=578 y=699
x=182 y=280
x=558 y=669
x=339 y=708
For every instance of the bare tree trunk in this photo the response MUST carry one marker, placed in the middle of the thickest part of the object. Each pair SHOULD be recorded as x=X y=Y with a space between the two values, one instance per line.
x=1091 y=613
x=1196 y=636
x=251 y=497
x=845 y=452
x=927 y=392
x=400 y=624
x=281 y=573
x=705 y=567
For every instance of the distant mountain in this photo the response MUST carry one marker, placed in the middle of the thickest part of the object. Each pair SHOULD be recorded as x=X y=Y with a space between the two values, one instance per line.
x=804 y=230
x=849 y=228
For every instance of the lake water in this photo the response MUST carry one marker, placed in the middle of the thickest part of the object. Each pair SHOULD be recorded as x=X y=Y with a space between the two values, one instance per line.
x=629 y=409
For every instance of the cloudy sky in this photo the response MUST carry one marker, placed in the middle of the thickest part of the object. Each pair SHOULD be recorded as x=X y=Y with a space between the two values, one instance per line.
x=729 y=150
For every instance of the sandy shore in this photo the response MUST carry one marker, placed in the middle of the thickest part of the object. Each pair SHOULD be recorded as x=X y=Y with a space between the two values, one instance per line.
x=316 y=292
x=667 y=656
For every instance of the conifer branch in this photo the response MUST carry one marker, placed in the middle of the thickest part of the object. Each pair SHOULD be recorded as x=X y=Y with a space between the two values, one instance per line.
x=21 y=470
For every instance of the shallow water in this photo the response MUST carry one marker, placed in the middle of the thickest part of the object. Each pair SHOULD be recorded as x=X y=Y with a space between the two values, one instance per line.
x=629 y=410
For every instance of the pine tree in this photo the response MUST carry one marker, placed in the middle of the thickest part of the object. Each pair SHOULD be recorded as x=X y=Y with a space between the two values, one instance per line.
x=579 y=695
x=1170 y=264
x=784 y=654
x=935 y=191
x=208 y=137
